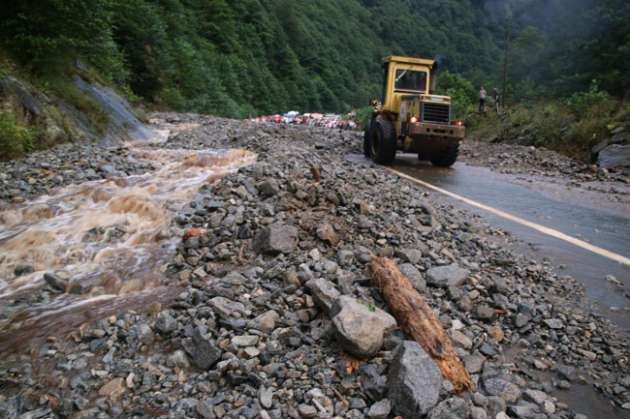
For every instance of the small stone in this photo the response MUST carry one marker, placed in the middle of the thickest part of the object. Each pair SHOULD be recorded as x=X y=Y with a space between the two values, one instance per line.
x=265 y=395
x=165 y=323
x=324 y=293
x=56 y=281
x=485 y=312
x=307 y=411
x=497 y=386
x=244 y=340
x=461 y=339
x=327 y=233
x=414 y=276
x=447 y=276
x=380 y=410
x=113 y=389
x=276 y=238
x=268 y=188
x=478 y=413
x=452 y=408
x=554 y=323
x=266 y=322
x=412 y=256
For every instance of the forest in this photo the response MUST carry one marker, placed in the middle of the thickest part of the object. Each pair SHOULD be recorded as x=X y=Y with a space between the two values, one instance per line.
x=241 y=58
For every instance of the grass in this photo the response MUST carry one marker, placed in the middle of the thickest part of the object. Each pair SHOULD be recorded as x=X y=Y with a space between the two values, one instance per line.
x=16 y=138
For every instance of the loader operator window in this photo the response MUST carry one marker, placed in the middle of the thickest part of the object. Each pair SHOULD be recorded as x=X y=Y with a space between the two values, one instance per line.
x=409 y=80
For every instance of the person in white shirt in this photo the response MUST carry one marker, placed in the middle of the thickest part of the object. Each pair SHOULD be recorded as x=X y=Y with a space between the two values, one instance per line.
x=482 y=100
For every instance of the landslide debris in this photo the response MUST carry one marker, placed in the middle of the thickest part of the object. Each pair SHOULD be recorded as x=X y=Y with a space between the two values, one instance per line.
x=251 y=334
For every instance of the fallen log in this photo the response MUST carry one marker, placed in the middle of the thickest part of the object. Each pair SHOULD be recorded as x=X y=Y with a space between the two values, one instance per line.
x=417 y=320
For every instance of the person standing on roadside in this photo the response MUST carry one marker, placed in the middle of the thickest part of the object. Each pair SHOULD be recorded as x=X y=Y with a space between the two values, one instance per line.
x=497 y=100
x=482 y=100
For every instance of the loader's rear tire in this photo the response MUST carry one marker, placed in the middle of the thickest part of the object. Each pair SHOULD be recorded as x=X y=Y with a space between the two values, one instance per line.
x=382 y=142
x=366 y=140
x=447 y=157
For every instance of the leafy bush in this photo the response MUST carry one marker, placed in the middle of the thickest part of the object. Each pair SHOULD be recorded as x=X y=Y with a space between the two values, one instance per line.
x=461 y=91
x=15 y=138
x=581 y=103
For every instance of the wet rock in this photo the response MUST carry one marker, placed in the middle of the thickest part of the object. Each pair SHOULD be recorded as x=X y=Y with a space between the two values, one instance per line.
x=276 y=238
x=498 y=386
x=453 y=408
x=414 y=276
x=447 y=276
x=203 y=353
x=380 y=410
x=414 y=381
x=324 y=293
x=360 y=327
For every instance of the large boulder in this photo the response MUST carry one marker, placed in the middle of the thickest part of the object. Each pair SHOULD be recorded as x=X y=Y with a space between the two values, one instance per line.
x=276 y=238
x=414 y=381
x=360 y=327
x=447 y=276
x=614 y=155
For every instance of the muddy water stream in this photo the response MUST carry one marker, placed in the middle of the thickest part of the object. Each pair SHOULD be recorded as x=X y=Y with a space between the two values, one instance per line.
x=106 y=243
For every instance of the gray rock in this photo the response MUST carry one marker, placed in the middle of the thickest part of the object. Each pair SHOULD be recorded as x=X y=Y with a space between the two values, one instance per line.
x=225 y=307
x=474 y=363
x=453 y=408
x=268 y=188
x=478 y=413
x=307 y=411
x=327 y=233
x=276 y=238
x=265 y=322
x=614 y=155
x=244 y=340
x=165 y=323
x=203 y=353
x=412 y=256
x=360 y=327
x=414 y=381
x=265 y=395
x=324 y=293
x=554 y=323
x=380 y=410
x=485 y=312
x=447 y=276
x=498 y=386
x=414 y=276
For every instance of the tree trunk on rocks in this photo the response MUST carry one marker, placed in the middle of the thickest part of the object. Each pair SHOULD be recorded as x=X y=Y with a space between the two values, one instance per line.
x=417 y=319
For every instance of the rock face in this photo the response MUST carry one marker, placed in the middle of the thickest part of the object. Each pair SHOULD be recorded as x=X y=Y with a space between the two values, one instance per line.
x=360 y=327
x=447 y=276
x=414 y=381
x=614 y=155
x=275 y=239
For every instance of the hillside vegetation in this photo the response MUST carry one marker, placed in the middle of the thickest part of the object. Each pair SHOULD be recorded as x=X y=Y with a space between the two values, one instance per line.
x=245 y=57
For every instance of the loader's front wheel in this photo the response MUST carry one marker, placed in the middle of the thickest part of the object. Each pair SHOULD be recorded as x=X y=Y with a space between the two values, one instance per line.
x=447 y=157
x=382 y=142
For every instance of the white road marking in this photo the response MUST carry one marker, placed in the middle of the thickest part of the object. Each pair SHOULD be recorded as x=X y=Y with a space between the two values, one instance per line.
x=545 y=230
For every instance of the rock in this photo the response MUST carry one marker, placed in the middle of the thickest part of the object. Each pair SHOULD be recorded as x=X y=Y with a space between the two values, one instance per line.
x=165 y=323
x=474 y=363
x=227 y=308
x=360 y=327
x=536 y=396
x=327 y=233
x=203 y=353
x=324 y=293
x=461 y=339
x=268 y=188
x=447 y=276
x=113 y=389
x=414 y=381
x=307 y=411
x=56 y=281
x=497 y=386
x=412 y=256
x=614 y=155
x=276 y=238
x=380 y=410
x=265 y=395
x=521 y=320
x=554 y=323
x=414 y=276
x=478 y=413
x=485 y=312
x=244 y=340
x=20 y=270
x=265 y=322
x=453 y=408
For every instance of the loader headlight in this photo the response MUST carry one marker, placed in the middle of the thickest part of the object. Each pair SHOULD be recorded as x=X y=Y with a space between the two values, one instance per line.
x=413 y=119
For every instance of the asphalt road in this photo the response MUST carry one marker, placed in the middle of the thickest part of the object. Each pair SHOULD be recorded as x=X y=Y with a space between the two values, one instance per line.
x=574 y=213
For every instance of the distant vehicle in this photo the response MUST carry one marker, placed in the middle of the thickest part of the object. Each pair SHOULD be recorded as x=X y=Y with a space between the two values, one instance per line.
x=411 y=118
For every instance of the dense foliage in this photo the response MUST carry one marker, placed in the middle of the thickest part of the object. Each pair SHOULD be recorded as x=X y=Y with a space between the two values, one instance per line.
x=242 y=57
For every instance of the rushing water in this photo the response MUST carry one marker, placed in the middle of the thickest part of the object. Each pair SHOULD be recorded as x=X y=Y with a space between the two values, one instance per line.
x=107 y=240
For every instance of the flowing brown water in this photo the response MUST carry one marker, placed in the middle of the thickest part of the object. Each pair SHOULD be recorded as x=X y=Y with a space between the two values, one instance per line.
x=109 y=241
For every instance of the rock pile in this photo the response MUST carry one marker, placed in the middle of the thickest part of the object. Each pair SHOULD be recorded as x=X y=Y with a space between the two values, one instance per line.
x=278 y=319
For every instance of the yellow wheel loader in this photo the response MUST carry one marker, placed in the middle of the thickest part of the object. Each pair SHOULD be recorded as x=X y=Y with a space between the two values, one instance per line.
x=411 y=118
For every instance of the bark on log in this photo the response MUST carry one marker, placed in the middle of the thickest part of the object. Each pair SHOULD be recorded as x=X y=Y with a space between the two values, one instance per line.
x=417 y=320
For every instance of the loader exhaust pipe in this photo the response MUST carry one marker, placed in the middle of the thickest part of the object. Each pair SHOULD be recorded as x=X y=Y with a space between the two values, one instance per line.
x=439 y=60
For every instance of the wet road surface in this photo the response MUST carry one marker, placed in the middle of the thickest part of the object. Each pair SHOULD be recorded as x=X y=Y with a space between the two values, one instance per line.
x=570 y=211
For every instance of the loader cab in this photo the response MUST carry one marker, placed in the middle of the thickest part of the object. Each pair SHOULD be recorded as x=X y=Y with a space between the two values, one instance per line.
x=404 y=76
